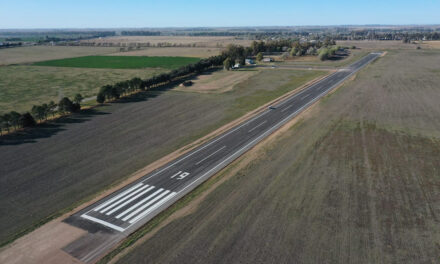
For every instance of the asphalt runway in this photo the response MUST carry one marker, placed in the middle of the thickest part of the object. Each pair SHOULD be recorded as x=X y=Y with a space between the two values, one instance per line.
x=121 y=213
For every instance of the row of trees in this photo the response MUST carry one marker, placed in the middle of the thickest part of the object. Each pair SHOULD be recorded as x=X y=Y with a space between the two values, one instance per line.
x=115 y=91
x=42 y=112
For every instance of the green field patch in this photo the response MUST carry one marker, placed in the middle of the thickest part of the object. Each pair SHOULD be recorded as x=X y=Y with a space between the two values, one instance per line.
x=120 y=62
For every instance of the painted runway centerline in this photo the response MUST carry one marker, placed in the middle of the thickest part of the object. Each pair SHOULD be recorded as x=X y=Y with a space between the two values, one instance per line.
x=262 y=123
x=212 y=154
x=126 y=210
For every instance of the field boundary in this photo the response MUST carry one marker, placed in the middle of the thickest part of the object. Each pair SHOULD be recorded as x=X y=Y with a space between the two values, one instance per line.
x=154 y=165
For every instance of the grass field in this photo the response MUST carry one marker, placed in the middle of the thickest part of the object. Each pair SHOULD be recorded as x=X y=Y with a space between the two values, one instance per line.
x=87 y=153
x=172 y=51
x=199 y=41
x=42 y=53
x=355 y=181
x=120 y=62
x=23 y=86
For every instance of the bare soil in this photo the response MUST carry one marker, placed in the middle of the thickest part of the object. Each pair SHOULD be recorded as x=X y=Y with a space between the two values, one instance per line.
x=136 y=131
x=356 y=181
x=217 y=82
x=41 y=53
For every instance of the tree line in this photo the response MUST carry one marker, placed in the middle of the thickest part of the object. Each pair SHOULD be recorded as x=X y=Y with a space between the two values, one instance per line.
x=115 y=91
x=15 y=120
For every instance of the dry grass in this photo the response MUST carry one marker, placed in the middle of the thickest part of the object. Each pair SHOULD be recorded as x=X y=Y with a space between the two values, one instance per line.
x=372 y=45
x=23 y=86
x=435 y=44
x=42 y=53
x=173 y=51
x=217 y=82
x=127 y=135
x=197 y=41
x=356 y=181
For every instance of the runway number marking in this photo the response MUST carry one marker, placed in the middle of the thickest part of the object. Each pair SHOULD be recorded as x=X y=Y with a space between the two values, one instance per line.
x=180 y=175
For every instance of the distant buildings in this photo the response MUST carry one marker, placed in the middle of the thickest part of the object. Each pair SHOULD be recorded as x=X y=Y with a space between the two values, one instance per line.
x=249 y=61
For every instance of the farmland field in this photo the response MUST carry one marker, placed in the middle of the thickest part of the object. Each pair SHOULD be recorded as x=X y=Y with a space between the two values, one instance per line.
x=172 y=51
x=22 y=86
x=89 y=152
x=120 y=62
x=41 y=53
x=195 y=41
x=356 y=180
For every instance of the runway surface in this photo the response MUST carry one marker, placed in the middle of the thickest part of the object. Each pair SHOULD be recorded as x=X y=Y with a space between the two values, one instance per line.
x=121 y=213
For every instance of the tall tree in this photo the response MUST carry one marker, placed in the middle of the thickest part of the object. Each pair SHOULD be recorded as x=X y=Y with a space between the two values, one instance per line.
x=15 y=119
x=78 y=98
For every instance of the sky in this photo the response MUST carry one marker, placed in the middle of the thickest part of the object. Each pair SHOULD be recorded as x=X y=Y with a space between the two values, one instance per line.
x=226 y=13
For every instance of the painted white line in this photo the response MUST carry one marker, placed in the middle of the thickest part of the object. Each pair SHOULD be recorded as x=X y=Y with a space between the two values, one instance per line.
x=117 y=197
x=139 y=203
x=304 y=97
x=286 y=108
x=123 y=199
x=258 y=138
x=208 y=144
x=145 y=206
x=176 y=174
x=140 y=216
x=262 y=123
x=210 y=155
x=129 y=201
x=115 y=227
x=276 y=126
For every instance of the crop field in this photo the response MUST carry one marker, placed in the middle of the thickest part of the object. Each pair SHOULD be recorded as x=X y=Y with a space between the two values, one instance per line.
x=120 y=62
x=355 y=180
x=172 y=51
x=23 y=86
x=41 y=53
x=196 y=41
x=128 y=135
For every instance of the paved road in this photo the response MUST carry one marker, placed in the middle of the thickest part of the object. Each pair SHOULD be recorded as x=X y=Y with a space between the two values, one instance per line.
x=122 y=212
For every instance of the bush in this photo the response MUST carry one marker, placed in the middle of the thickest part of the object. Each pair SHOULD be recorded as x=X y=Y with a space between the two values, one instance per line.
x=66 y=106
x=323 y=54
x=100 y=98
x=26 y=120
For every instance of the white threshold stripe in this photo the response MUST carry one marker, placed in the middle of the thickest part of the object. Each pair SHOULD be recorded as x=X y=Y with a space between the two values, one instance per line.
x=145 y=205
x=262 y=123
x=117 y=197
x=129 y=201
x=115 y=227
x=237 y=152
x=139 y=203
x=210 y=155
x=123 y=199
x=164 y=200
